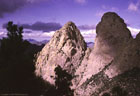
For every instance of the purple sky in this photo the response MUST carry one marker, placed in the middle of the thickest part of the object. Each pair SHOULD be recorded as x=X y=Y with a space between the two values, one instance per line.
x=41 y=18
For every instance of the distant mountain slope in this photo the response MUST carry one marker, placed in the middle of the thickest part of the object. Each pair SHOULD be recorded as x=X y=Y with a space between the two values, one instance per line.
x=90 y=44
x=37 y=42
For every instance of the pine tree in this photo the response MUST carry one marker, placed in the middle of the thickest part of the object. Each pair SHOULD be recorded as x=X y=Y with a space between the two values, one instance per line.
x=63 y=82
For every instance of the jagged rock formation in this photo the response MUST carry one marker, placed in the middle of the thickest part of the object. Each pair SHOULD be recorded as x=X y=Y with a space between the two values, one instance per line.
x=114 y=53
x=112 y=36
x=97 y=71
x=66 y=48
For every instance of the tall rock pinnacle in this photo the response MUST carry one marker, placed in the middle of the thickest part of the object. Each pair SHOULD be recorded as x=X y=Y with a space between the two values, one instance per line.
x=112 y=35
x=66 y=48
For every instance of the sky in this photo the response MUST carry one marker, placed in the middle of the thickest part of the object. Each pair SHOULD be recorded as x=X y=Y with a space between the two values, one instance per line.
x=41 y=18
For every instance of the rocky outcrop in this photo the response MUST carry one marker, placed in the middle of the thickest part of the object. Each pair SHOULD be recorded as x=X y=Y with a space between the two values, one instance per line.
x=125 y=84
x=114 y=53
x=66 y=48
x=113 y=59
x=112 y=36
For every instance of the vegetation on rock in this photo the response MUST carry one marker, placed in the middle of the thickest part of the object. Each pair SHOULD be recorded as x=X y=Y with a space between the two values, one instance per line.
x=63 y=82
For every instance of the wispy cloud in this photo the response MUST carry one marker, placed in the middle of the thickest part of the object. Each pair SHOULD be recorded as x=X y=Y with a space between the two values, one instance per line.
x=89 y=35
x=38 y=35
x=134 y=6
x=109 y=8
x=100 y=13
x=104 y=9
x=81 y=1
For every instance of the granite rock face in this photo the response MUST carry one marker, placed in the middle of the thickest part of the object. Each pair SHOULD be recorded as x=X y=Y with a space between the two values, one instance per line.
x=112 y=36
x=66 y=48
x=79 y=74
x=114 y=58
x=115 y=53
x=127 y=59
x=125 y=84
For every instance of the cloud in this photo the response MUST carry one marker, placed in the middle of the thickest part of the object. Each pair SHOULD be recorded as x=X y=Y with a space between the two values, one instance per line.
x=134 y=31
x=86 y=27
x=10 y=6
x=39 y=36
x=104 y=9
x=134 y=6
x=100 y=13
x=81 y=1
x=89 y=35
x=40 y=26
x=2 y=33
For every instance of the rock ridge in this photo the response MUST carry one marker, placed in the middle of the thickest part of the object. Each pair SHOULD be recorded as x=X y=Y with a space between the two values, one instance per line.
x=66 y=48
x=115 y=52
x=112 y=36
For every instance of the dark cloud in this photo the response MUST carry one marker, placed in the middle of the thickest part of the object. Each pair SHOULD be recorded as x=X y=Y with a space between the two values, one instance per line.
x=86 y=27
x=27 y=31
x=9 y=6
x=40 y=26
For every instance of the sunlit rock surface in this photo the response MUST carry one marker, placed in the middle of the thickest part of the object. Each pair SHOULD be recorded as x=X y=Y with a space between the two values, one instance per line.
x=66 y=48
x=113 y=60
